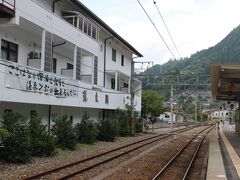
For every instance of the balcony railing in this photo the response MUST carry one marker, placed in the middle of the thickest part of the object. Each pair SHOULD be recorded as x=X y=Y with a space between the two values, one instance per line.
x=7 y=8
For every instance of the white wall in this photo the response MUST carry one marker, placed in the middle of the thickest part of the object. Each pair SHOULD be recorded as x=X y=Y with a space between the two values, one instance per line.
x=56 y=111
x=111 y=65
x=43 y=18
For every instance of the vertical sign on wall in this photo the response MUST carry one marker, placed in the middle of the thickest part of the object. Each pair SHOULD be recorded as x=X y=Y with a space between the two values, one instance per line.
x=48 y=52
x=95 y=75
x=78 y=63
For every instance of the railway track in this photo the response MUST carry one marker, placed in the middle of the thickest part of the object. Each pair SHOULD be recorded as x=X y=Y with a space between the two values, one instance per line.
x=178 y=167
x=84 y=165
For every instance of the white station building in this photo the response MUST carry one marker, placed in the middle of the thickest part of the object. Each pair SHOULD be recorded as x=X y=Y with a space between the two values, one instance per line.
x=58 y=58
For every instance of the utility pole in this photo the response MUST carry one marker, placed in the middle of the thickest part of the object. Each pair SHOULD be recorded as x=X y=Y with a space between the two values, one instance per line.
x=171 y=100
x=132 y=99
x=195 y=111
x=133 y=93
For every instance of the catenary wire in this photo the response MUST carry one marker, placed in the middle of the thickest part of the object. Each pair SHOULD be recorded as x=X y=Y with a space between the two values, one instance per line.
x=154 y=2
x=157 y=30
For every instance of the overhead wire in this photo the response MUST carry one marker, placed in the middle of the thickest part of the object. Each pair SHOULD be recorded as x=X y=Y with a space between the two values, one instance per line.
x=157 y=30
x=155 y=3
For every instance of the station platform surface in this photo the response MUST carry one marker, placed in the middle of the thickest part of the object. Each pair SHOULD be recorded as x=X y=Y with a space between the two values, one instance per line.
x=230 y=146
x=216 y=169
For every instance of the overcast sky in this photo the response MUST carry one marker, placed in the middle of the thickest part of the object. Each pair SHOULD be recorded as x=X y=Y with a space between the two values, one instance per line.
x=194 y=24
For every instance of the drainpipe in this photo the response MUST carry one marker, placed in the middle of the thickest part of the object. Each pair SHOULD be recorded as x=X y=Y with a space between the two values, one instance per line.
x=49 y=117
x=105 y=51
x=53 y=5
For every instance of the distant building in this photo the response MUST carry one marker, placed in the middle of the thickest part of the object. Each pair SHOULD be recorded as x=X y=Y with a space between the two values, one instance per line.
x=58 y=58
x=221 y=115
x=166 y=117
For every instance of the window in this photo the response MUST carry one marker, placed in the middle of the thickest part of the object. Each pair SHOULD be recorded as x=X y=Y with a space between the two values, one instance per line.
x=69 y=66
x=80 y=23
x=8 y=111
x=71 y=118
x=89 y=32
x=85 y=28
x=125 y=85
x=54 y=70
x=122 y=60
x=95 y=75
x=114 y=55
x=94 y=32
x=9 y=51
x=112 y=83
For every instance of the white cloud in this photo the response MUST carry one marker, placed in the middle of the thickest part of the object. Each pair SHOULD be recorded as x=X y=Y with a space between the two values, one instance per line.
x=194 y=24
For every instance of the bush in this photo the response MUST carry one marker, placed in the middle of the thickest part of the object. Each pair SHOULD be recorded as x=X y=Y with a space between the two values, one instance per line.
x=123 y=123
x=107 y=131
x=139 y=125
x=64 y=132
x=3 y=134
x=42 y=143
x=17 y=146
x=86 y=130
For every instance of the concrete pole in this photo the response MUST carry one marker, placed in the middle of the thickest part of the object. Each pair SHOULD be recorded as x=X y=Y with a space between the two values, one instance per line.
x=171 y=107
x=132 y=99
x=195 y=111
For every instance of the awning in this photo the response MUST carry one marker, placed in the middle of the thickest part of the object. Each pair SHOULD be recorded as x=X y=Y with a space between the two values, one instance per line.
x=226 y=81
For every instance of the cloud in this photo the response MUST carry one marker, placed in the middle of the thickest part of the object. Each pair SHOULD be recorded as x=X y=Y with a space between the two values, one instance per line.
x=194 y=24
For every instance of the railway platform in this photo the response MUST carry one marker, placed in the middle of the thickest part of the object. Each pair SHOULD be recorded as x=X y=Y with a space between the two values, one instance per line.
x=230 y=146
x=215 y=168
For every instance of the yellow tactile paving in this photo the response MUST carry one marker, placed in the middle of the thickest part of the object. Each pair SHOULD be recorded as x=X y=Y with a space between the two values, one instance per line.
x=232 y=153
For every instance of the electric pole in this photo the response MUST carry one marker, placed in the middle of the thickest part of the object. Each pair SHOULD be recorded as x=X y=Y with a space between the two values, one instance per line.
x=171 y=100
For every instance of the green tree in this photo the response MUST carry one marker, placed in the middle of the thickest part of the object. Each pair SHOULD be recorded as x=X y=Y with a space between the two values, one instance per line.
x=64 y=132
x=41 y=141
x=123 y=117
x=17 y=145
x=107 y=130
x=86 y=130
x=152 y=103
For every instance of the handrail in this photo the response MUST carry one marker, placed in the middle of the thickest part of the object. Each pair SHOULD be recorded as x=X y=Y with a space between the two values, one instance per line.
x=7 y=3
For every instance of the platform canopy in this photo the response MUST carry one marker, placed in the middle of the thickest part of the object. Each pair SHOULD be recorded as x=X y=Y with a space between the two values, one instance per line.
x=226 y=81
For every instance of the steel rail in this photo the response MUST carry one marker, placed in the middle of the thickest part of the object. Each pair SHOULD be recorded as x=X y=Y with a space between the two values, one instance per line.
x=178 y=153
x=193 y=158
x=115 y=157
x=161 y=136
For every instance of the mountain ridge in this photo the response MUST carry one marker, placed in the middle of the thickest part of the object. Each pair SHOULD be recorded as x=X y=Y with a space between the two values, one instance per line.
x=227 y=51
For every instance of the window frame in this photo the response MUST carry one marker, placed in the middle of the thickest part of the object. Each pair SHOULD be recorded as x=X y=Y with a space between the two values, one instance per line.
x=8 y=50
x=113 y=83
x=122 y=60
x=114 y=55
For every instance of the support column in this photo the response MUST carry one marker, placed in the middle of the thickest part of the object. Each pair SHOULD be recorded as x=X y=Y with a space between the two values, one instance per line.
x=74 y=62
x=43 y=49
x=129 y=85
x=116 y=81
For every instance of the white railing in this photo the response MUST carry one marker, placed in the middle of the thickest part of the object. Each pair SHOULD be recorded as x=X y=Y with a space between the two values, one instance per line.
x=8 y=3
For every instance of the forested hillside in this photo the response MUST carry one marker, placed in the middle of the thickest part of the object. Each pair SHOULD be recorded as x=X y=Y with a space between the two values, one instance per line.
x=226 y=51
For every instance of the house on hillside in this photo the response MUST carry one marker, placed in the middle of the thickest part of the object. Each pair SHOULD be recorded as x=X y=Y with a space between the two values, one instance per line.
x=167 y=117
x=59 y=58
